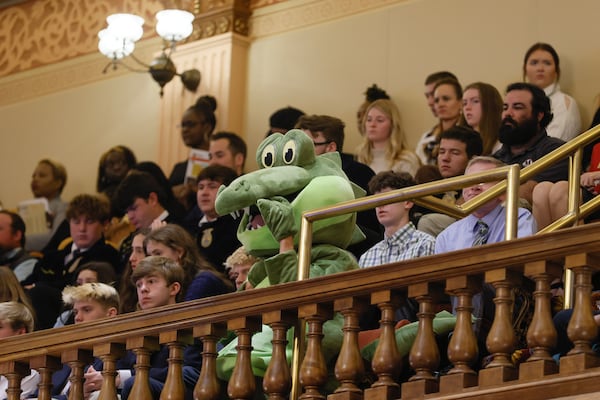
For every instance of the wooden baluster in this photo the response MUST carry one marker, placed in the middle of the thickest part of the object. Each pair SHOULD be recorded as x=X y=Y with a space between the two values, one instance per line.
x=349 y=367
x=45 y=365
x=142 y=347
x=387 y=362
x=176 y=341
x=277 y=381
x=462 y=348
x=242 y=384
x=501 y=339
x=208 y=386
x=424 y=356
x=109 y=353
x=313 y=371
x=77 y=360
x=14 y=371
x=541 y=335
x=582 y=328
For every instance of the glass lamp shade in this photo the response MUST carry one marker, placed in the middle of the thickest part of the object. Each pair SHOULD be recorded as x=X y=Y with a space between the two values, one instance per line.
x=174 y=25
x=113 y=46
x=126 y=26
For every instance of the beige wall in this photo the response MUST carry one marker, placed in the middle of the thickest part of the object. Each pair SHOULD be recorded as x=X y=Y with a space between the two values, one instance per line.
x=318 y=55
x=325 y=68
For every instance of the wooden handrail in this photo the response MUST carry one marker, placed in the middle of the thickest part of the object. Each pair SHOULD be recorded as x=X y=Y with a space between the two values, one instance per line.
x=554 y=246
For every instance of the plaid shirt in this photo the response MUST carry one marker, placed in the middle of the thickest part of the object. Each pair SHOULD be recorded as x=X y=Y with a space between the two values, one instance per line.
x=407 y=243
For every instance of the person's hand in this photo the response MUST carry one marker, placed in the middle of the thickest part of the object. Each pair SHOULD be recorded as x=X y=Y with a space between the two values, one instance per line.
x=93 y=382
x=157 y=223
x=590 y=179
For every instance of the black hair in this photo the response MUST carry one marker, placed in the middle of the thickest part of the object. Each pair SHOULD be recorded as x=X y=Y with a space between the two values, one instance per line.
x=540 y=103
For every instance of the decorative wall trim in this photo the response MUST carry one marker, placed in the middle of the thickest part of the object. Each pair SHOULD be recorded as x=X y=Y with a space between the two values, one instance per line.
x=67 y=74
x=295 y=14
x=38 y=33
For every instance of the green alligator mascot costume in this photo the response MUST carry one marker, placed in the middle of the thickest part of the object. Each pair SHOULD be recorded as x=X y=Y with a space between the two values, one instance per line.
x=291 y=180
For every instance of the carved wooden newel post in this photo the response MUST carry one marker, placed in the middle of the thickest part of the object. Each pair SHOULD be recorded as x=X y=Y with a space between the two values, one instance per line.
x=277 y=381
x=501 y=339
x=142 y=347
x=349 y=367
x=582 y=328
x=541 y=335
x=45 y=365
x=109 y=353
x=462 y=349
x=208 y=386
x=313 y=371
x=424 y=356
x=387 y=363
x=242 y=384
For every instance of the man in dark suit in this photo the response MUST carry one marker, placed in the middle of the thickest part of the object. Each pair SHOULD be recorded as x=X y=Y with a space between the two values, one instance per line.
x=87 y=216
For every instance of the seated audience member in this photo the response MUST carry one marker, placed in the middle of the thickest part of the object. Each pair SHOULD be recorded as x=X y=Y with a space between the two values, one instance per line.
x=327 y=134
x=373 y=93
x=11 y=289
x=201 y=279
x=197 y=125
x=523 y=135
x=89 y=302
x=402 y=241
x=384 y=144
x=238 y=265
x=12 y=246
x=92 y=272
x=159 y=282
x=283 y=120
x=561 y=323
x=229 y=150
x=430 y=81
x=48 y=181
x=142 y=197
x=482 y=111
x=216 y=235
x=541 y=67
x=127 y=292
x=87 y=216
x=487 y=225
x=17 y=319
x=447 y=104
x=550 y=200
x=114 y=164
x=226 y=149
x=457 y=146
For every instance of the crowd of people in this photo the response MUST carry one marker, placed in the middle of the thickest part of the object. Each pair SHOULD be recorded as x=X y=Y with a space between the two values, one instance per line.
x=145 y=240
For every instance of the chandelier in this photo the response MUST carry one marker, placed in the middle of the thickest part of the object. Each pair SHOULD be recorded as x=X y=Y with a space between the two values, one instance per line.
x=117 y=41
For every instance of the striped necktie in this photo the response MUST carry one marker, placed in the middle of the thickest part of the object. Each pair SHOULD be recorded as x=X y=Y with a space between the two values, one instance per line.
x=481 y=234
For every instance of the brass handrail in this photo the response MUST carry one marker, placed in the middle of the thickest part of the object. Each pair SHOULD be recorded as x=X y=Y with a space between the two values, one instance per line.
x=423 y=195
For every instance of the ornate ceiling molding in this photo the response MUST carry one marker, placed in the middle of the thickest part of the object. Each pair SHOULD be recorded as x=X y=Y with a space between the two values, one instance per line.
x=38 y=33
x=295 y=14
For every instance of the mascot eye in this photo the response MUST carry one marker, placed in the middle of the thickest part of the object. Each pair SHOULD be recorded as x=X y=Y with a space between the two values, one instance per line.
x=289 y=152
x=268 y=156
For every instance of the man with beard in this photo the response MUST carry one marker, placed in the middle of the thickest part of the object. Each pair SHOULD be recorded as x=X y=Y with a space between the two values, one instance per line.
x=523 y=134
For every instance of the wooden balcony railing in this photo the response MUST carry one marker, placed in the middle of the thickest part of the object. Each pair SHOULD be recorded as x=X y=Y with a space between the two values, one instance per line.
x=313 y=301
x=540 y=258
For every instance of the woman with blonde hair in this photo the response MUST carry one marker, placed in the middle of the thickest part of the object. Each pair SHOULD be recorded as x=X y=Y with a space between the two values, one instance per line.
x=201 y=278
x=482 y=111
x=384 y=144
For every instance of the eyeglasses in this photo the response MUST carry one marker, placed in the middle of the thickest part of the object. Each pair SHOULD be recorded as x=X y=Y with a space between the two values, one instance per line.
x=322 y=143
